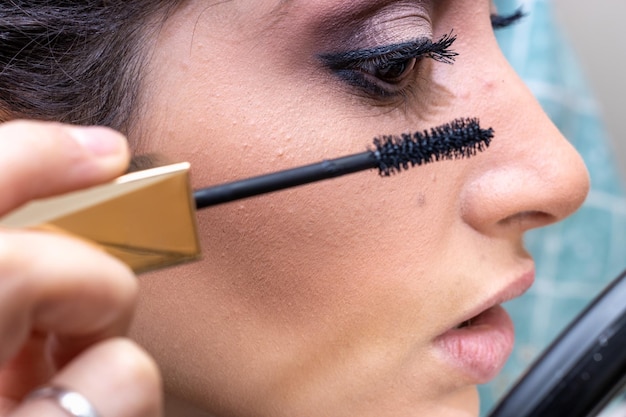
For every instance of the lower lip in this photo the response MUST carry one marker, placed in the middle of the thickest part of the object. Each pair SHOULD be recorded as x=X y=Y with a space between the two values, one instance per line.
x=481 y=349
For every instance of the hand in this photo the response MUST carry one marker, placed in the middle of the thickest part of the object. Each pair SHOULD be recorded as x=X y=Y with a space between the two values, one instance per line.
x=65 y=305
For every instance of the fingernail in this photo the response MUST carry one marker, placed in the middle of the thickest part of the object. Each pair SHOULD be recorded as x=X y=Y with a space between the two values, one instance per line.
x=100 y=141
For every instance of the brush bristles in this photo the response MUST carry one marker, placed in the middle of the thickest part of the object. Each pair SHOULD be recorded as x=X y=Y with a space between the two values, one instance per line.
x=461 y=138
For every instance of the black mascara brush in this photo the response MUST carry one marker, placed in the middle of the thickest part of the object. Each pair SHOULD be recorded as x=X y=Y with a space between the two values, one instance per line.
x=459 y=139
x=147 y=218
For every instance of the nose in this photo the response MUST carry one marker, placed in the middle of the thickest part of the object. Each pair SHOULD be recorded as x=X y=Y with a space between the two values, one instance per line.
x=530 y=176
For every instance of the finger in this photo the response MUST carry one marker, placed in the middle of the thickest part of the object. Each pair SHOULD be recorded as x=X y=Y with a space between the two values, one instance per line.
x=56 y=284
x=115 y=376
x=40 y=159
x=29 y=368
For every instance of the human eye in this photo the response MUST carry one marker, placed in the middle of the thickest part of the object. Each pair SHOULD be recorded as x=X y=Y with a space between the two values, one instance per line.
x=499 y=21
x=385 y=71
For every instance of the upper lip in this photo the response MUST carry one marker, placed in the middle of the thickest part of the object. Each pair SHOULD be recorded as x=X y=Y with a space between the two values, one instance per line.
x=513 y=290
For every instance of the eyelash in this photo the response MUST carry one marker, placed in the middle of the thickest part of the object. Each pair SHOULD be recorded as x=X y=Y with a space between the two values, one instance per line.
x=503 y=21
x=367 y=68
x=370 y=69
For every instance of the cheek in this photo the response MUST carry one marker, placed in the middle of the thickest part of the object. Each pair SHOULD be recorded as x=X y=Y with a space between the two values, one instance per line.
x=333 y=249
x=328 y=249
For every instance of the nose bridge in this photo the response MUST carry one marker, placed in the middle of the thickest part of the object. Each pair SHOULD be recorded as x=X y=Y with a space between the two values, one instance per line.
x=531 y=175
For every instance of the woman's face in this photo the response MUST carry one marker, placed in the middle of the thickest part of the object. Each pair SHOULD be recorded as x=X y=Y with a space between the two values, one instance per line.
x=343 y=298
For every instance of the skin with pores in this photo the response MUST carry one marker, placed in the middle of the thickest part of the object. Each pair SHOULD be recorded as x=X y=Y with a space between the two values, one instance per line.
x=328 y=300
x=340 y=298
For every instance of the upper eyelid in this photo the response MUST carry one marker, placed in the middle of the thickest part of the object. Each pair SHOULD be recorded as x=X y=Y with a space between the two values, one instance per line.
x=438 y=50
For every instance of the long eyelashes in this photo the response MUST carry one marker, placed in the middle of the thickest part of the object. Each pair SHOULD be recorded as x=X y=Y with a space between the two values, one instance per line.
x=393 y=54
x=384 y=71
x=503 y=21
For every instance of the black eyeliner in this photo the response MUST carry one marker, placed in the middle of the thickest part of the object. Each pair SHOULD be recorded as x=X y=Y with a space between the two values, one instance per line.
x=391 y=54
x=502 y=21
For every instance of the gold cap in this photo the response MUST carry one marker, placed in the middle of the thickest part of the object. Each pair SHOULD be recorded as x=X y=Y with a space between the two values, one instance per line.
x=145 y=218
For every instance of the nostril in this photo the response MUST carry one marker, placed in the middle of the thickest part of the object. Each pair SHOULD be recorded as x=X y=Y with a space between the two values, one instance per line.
x=526 y=220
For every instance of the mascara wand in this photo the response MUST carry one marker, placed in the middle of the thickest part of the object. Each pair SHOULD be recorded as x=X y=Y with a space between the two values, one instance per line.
x=461 y=138
x=147 y=218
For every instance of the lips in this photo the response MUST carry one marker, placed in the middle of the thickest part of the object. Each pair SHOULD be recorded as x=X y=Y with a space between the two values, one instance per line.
x=480 y=348
x=481 y=343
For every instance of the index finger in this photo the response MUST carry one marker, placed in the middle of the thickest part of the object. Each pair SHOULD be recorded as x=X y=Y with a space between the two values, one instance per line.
x=40 y=159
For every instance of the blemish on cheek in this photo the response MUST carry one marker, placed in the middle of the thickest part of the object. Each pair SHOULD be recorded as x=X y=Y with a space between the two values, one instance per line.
x=421 y=200
x=489 y=85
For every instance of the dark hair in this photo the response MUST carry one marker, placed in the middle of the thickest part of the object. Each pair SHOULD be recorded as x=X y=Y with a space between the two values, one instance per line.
x=75 y=61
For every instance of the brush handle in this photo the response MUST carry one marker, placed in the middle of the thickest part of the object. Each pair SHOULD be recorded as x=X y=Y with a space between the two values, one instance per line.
x=280 y=180
x=461 y=138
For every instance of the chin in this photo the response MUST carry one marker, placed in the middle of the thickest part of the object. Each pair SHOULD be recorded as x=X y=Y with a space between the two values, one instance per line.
x=463 y=403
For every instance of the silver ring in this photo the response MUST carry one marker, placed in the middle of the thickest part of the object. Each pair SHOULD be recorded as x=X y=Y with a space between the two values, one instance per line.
x=73 y=403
